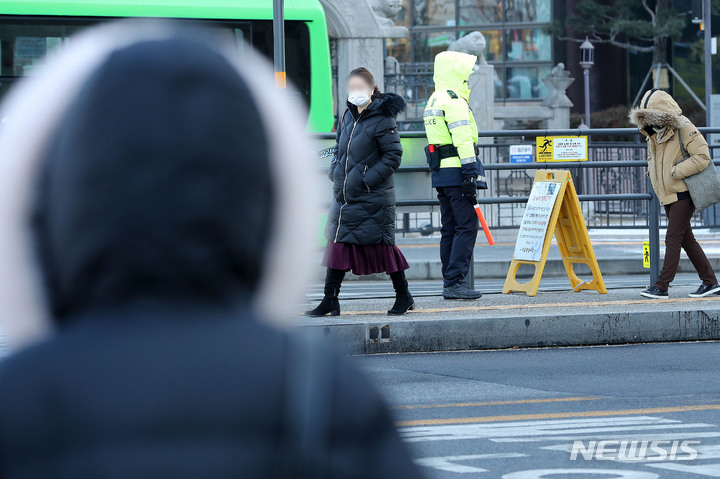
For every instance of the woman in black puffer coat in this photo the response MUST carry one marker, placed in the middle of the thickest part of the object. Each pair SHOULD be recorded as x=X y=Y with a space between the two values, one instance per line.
x=361 y=222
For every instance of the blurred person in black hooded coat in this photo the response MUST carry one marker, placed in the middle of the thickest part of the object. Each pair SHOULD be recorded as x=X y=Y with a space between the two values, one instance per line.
x=145 y=246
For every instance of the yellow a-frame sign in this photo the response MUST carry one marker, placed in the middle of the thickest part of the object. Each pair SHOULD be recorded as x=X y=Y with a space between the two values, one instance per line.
x=553 y=210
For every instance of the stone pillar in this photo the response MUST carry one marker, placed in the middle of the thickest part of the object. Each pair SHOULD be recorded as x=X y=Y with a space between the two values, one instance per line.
x=557 y=100
x=482 y=99
x=360 y=28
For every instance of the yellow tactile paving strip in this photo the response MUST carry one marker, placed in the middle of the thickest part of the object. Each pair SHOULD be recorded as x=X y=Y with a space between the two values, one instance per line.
x=505 y=307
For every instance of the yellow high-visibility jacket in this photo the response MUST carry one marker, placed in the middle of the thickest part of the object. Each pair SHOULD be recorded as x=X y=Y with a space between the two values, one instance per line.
x=448 y=119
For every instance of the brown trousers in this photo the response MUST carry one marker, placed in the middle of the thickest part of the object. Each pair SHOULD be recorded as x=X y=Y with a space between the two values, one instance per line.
x=679 y=235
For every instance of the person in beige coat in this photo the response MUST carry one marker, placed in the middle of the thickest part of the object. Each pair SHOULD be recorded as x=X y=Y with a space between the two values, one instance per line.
x=661 y=120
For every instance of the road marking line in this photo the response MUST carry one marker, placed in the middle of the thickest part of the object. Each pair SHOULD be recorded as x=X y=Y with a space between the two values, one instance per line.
x=546 y=473
x=470 y=309
x=500 y=429
x=556 y=415
x=411 y=246
x=708 y=470
x=446 y=463
x=556 y=429
x=594 y=242
x=499 y=403
x=617 y=432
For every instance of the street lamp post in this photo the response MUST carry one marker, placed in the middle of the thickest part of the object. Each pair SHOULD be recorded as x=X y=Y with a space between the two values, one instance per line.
x=707 y=24
x=587 y=60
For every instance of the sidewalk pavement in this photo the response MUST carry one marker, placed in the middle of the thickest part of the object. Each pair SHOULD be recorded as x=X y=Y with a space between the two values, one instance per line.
x=619 y=252
x=552 y=318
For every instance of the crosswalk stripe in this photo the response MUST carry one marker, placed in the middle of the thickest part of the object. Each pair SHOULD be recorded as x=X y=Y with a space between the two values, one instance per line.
x=592 y=430
x=546 y=425
x=708 y=470
x=446 y=463
x=680 y=435
x=553 y=430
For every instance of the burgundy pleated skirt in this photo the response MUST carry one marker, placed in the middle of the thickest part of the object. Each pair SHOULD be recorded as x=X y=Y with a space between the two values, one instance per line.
x=365 y=259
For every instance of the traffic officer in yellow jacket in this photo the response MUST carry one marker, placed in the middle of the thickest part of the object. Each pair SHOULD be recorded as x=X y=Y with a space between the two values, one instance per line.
x=456 y=172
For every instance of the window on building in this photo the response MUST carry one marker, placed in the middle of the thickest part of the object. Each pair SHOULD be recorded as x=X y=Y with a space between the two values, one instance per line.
x=518 y=46
x=524 y=83
x=528 y=45
x=480 y=12
x=435 y=13
x=528 y=11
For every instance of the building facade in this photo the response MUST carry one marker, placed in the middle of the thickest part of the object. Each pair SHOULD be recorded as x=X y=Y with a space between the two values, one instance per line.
x=518 y=45
x=400 y=38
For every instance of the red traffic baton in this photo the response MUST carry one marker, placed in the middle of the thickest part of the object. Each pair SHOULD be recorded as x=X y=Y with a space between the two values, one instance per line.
x=485 y=228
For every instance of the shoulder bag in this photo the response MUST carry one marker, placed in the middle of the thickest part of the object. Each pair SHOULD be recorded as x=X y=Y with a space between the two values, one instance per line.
x=704 y=187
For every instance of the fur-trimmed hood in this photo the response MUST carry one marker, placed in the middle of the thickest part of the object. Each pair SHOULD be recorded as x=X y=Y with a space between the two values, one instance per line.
x=657 y=108
x=63 y=163
x=386 y=104
x=391 y=104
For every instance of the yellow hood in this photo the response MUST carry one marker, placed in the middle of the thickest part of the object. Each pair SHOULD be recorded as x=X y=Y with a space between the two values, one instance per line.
x=452 y=70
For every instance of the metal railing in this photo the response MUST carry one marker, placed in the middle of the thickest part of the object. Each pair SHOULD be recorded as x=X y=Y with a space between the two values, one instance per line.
x=640 y=200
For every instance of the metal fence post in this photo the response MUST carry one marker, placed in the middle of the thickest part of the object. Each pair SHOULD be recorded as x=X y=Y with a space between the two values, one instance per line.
x=654 y=231
x=279 y=43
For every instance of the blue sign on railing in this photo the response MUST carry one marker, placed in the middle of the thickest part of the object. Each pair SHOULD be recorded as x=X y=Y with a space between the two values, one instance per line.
x=521 y=153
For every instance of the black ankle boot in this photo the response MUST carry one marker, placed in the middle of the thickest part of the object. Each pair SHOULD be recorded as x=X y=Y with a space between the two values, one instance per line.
x=329 y=305
x=404 y=301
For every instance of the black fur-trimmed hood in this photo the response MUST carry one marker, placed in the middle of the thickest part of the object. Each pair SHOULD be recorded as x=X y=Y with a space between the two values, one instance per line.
x=386 y=104
x=657 y=108
x=44 y=108
x=391 y=104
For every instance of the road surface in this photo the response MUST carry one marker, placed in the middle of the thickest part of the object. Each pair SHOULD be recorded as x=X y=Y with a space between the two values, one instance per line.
x=516 y=414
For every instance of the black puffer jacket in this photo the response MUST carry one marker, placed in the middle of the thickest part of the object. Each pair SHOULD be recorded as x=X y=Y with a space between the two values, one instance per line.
x=369 y=152
x=159 y=266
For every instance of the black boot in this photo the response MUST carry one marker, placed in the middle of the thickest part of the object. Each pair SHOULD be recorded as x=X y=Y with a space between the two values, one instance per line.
x=404 y=301
x=330 y=303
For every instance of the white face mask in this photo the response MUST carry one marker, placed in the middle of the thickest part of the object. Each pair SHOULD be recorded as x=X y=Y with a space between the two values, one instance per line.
x=358 y=98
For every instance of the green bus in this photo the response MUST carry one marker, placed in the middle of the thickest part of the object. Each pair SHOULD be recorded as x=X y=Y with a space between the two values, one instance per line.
x=30 y=28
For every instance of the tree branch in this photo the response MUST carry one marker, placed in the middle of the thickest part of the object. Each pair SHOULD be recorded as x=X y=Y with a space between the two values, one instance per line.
x=649 y=10
x=570 y=39
x=611 y=41
x=631 y=47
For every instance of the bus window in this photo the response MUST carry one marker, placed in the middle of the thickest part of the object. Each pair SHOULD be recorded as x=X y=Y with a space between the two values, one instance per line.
x=24 y=45
x=25 y=41
x=297 y=51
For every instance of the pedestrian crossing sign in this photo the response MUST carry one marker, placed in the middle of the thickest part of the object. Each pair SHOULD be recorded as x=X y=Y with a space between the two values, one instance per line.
x=646 y=254
x=561 y=149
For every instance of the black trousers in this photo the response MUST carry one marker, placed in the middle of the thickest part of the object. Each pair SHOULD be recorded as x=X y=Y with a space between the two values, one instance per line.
x=459 y=233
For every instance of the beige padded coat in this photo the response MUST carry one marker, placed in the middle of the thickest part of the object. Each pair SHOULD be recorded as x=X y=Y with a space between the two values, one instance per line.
x=666 y=168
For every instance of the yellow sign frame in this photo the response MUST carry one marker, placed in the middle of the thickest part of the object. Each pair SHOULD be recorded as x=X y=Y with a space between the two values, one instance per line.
x=545 y=149
x=567 y=225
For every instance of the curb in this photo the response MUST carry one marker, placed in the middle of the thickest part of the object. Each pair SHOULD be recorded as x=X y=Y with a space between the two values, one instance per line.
x=433 y=335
